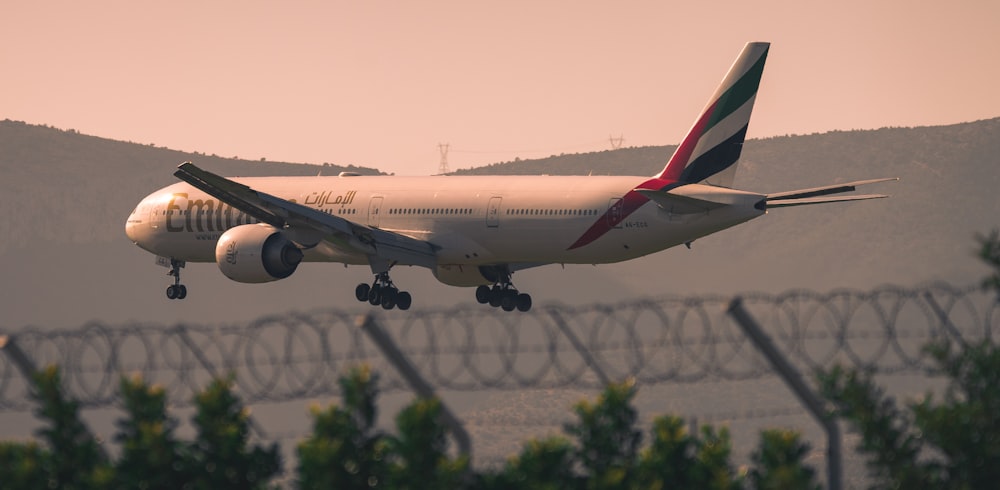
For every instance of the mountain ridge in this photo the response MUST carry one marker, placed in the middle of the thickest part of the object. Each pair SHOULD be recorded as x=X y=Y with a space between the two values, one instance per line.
x=66 y=197
x=96 y=176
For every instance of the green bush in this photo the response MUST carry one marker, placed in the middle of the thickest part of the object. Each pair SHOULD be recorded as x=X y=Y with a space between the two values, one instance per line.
x=949 y=443
x=601 y=449
x=151 y=458
x=953 y=442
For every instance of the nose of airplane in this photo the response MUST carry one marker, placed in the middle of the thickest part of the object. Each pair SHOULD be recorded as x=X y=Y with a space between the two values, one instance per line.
x=131 y=227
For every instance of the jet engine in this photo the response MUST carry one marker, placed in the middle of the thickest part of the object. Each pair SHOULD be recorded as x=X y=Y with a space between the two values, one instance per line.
x=256 y=253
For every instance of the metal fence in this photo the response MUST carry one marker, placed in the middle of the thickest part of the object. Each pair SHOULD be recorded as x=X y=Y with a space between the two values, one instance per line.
x=672 y=339
x=687 y=340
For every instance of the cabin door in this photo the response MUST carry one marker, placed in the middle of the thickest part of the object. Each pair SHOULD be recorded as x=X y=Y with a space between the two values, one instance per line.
x=374 y=211
x=615 y=212
x=493 y=213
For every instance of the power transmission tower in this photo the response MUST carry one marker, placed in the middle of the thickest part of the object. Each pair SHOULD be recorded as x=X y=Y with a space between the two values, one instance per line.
x=443 y=166
x=616 y=143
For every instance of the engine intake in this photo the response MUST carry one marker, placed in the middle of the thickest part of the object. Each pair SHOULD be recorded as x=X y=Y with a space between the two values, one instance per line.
x=256 y=253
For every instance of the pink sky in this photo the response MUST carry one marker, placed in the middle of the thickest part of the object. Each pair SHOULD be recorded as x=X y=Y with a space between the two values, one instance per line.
x=381 y=84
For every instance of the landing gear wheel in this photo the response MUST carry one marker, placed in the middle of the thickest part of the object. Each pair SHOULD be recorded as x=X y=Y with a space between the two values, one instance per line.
x=403 y=300
x=375 y=295
x=507 y=303
x=496 y=296
x=503 y=294
x=361 y=292
x=523 y=302
x=389 y=298
x=509 y=300
x=176 y=290
x=483 y=294
x=383 y=293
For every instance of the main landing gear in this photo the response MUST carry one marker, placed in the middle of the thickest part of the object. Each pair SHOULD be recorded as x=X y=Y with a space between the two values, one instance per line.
x=176 y=290
x=503 y=294
x=383 y=292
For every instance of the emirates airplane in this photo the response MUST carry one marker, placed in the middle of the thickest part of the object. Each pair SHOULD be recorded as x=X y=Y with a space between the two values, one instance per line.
x=468 y=230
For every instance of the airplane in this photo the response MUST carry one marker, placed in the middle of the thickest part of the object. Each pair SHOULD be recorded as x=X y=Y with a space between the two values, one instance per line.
x=470 y=231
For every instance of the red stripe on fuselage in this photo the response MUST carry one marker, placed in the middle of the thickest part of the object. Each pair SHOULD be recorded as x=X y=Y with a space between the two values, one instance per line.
x=671 y=174
x=609 y=220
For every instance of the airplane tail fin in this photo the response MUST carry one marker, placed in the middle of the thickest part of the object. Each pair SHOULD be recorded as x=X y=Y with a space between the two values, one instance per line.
x=712 y=146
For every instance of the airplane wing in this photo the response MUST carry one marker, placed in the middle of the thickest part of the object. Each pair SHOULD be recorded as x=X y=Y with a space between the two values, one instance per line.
x=816 y=195
x=306 y=226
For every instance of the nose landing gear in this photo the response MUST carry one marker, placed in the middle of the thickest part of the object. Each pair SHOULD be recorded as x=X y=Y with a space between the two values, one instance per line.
x=176 y=290
x=383 y=292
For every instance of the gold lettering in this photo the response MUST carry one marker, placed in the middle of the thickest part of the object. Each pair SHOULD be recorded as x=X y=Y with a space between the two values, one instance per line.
x=171 y=206
x=218 y=217
x=200 y=209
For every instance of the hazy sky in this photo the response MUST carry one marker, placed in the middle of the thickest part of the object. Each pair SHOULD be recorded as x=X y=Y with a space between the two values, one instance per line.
x=382 y=83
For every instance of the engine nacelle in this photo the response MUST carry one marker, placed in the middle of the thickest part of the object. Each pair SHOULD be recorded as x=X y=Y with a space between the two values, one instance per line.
x=256 y=253
x=464 y=275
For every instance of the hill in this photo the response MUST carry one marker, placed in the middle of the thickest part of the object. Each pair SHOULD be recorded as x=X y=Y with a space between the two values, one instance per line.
x=947 y=194
x=55 y=183
x=645 y=160
x=65 y=197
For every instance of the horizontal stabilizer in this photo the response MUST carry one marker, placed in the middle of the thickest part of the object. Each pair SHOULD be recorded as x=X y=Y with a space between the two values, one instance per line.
x=825 y=190
x=785 y=203
x=816 y=195
x=680 y=204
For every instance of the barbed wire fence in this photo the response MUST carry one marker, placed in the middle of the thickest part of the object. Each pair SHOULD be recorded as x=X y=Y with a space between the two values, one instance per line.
x=669 y=340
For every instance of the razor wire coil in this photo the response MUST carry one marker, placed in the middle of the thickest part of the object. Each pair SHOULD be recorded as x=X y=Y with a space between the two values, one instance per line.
x=672 y=339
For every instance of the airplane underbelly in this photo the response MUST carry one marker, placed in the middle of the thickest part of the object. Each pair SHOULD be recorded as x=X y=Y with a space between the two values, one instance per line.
x=642 y=234
x=189 y=247
x=538 y=242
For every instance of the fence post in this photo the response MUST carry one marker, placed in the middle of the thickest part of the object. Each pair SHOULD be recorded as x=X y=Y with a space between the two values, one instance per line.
x=18 y=358
x=205 y=363
x=793 y=378
x=580 y=348
x=409 y=373
x=945 y=321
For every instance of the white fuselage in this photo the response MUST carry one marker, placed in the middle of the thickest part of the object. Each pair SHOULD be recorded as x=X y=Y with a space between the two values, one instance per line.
x=482 y=220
